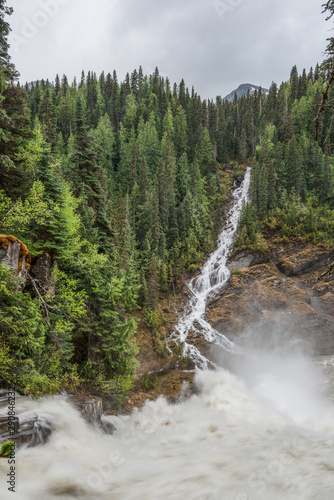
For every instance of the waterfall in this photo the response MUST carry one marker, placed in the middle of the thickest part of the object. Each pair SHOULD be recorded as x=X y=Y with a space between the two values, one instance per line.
x=262 y=431
x=213 y=276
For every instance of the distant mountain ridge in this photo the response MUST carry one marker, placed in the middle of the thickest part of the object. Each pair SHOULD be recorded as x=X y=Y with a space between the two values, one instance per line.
x=242 y=91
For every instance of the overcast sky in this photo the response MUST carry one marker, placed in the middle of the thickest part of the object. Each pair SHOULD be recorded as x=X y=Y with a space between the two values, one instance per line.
x=214 y=45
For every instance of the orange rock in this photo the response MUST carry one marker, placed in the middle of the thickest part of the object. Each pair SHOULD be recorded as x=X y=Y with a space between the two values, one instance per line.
x=6 y=238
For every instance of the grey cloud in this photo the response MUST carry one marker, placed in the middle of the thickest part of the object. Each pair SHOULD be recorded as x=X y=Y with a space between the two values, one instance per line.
x=214 y=45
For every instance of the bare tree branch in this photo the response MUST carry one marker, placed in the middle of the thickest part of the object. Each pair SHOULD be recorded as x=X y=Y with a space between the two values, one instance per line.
x=8 y=213
x=44 y=304
x=330 y=130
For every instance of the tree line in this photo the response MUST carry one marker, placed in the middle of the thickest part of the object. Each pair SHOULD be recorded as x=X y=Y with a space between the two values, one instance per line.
x=123 y=184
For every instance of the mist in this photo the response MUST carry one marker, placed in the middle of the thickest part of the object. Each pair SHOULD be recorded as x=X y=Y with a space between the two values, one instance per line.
x=278 y=366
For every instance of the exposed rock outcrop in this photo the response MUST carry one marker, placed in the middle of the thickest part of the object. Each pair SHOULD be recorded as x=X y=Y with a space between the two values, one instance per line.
x=292 y=285
x=33 y=429
x=41 y=271
x=91 y=409
x=14 y=255
x=29 y=429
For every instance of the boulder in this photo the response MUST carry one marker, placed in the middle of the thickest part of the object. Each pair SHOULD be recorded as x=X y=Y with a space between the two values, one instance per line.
x=14 y=255
x=29 y=428
x=91 y=409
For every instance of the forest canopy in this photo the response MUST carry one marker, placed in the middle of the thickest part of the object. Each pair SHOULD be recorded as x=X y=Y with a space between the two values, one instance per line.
x=122 y=185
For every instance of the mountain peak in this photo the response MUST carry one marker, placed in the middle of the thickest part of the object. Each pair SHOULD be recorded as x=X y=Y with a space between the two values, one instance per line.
x=242 y=91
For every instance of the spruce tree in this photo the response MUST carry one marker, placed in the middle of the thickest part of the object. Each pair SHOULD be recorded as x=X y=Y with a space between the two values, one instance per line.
x=85 y=178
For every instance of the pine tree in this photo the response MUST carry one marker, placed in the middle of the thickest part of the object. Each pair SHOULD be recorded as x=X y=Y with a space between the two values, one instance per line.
x=7 y=68
x=47 y=118
x=294 y=80
x=85 y=179
x=13 y=120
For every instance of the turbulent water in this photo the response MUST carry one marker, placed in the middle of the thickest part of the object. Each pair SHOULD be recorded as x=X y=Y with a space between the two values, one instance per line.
x=214 y=274
x=263 y=429
x=269 y=436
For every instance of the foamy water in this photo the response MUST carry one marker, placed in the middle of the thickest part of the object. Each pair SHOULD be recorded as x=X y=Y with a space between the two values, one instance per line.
x=229 y=442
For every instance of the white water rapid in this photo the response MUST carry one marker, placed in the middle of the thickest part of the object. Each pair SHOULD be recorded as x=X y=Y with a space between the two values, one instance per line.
x=213 y=276
x=228 y=442
x=262 y=430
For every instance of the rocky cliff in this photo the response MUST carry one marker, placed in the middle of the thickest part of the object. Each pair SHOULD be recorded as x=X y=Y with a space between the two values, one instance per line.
x=291 y=285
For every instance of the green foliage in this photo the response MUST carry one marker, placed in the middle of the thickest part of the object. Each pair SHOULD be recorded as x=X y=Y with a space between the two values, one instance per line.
x=120 y=387
x=65 y=308
x=19 y=215
x=292 y=177
x=178 y=350
x=237 y=272
x=23 y=328
x=154 y=318
x=7 y=449
x=307 y=222
x=25 y=361
x=124 y=185
x=149 y=381
x=110 y=328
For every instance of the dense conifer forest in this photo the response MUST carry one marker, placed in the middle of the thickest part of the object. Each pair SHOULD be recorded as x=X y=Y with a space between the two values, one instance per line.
x=124 y=185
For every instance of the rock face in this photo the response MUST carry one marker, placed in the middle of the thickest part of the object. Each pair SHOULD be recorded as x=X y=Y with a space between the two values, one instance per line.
x=41 y=272
x=90 y=409
x=14 y=255
x=10 y=255
x=291 y=286
x=33 y=429
x=30 y=429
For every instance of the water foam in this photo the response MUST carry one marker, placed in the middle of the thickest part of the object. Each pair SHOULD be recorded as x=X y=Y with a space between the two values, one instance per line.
x=226 y=442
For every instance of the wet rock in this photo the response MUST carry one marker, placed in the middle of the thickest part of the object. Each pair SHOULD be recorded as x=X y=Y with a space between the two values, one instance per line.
x=29 y=428
x=6 y=427
x=107 y=426
x=91 y=409
x=295 y=287
x=42 y=431
x=248 y=260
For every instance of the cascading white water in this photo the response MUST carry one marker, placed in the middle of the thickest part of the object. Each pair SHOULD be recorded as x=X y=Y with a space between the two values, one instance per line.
x=226 y=443
x=214 y=274
x=263 y=432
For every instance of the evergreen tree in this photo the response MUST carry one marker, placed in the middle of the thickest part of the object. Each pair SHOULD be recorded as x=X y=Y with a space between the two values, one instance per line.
x=85 y=179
